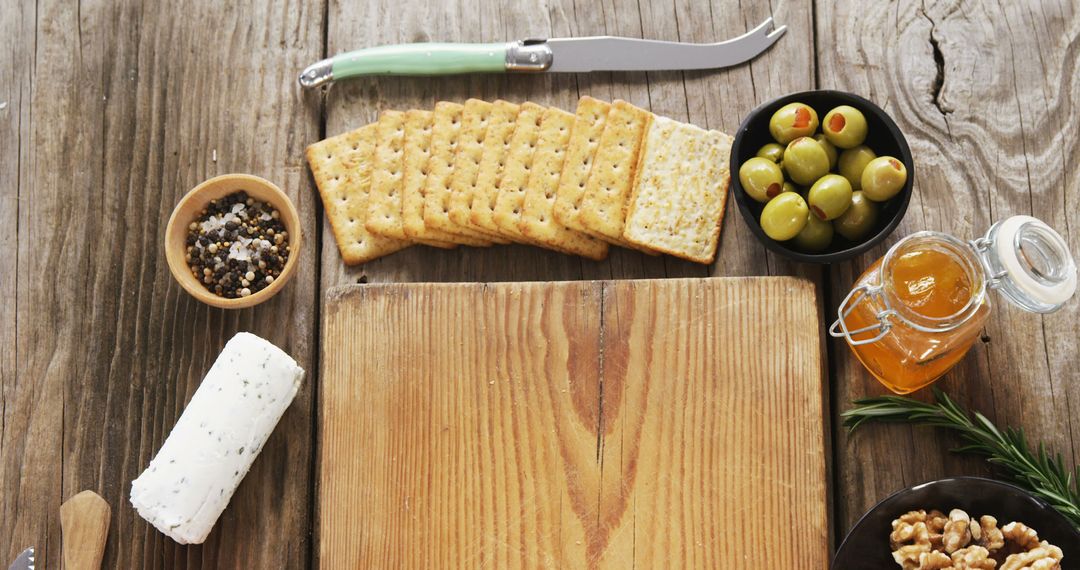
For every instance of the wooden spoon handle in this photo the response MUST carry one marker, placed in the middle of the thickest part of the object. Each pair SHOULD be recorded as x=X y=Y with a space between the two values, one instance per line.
x=84 y=521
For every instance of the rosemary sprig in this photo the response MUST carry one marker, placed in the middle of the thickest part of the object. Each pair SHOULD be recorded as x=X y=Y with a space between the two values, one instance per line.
x=1043 y=475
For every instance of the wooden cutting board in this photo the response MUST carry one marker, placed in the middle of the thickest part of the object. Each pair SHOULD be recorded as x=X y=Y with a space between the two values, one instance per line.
x=649 y=424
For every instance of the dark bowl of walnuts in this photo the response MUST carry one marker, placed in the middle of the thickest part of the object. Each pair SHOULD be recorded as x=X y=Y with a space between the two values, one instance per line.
x=963 y=522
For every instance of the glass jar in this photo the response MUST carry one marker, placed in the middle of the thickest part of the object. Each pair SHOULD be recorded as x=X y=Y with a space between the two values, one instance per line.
x=916 y=311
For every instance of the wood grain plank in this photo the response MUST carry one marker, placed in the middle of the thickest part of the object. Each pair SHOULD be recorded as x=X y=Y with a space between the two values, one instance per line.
x=726 y=438
x=985 y=94
x=131 y=105
x=573 y=425
x=17 y=23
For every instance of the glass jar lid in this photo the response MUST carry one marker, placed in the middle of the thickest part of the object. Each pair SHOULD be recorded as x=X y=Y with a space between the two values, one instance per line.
x=1028 y=263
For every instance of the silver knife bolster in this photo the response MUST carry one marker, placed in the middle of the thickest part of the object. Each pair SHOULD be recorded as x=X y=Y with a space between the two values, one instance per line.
x=318 y=73
x=528 y=56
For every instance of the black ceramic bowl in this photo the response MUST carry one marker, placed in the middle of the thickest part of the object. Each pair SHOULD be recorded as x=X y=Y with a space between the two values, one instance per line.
x=883 y=137
x=867 y=545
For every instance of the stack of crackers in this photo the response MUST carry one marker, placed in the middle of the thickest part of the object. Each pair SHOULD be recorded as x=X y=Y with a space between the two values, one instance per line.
x=488 y=173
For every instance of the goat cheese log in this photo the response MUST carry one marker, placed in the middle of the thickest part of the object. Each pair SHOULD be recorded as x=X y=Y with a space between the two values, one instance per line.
x=210 y=449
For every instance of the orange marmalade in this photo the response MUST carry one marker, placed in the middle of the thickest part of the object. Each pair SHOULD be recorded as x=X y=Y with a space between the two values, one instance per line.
x=915 y=312
x=936 y=305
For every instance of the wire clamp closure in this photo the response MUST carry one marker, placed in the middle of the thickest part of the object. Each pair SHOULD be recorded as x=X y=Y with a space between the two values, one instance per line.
x=858 y=295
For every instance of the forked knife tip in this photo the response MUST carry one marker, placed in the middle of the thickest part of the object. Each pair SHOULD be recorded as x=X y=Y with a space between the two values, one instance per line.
x=777 y=32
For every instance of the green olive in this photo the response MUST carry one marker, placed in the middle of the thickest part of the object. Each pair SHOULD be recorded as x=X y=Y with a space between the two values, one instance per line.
x=772 y=151
x=852 y=162
x=761 y=178
x=792 y=121
x=883 y=178
x=830 y=196
x=845 y=126
x=805 y=161
x=784 y=216
x=816 y=236
x=859 y=219
x=789 y=187
x=829 y=149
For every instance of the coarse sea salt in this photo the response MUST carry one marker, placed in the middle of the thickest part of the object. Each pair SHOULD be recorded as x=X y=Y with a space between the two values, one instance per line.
x=243 y=249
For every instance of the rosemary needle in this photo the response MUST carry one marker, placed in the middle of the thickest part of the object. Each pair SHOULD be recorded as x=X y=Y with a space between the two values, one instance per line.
x=1044 y=475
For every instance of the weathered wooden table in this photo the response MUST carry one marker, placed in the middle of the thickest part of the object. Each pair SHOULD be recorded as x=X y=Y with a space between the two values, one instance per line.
x=111 y=111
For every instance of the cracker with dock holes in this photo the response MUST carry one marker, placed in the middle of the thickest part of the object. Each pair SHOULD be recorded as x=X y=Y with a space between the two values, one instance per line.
x=341 y=166
x=679 y=190
x=445 y=137
x=537 y=220
x=589 y=121
x=470 y=152
x=607 y=191
x=384 y=204
x=500 y=131
x=416 y=158
x=506 y=202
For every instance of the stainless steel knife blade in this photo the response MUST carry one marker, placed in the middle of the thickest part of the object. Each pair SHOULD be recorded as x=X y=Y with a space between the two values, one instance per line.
x=25 y=560
x=607 y=53
x=599 y=53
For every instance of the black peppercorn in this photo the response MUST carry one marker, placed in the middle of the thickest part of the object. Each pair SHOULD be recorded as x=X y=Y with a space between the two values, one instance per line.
x=231 y=257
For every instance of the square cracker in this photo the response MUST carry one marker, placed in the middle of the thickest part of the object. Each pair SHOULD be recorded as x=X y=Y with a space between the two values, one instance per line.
x=416 y=157
x=680 y=190
x=607 y=191
x=467 y=157
x=500 y=131
x=589 y=121
x=445 y=137
x=384 y=204
x=503 y=206
x=341 y=166
x=537 y=220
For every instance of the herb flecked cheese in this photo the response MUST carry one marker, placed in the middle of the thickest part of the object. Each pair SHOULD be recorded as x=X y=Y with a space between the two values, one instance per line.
x=220 y=433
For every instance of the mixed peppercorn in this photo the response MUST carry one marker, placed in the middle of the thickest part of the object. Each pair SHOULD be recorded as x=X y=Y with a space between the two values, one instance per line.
x=237 y=246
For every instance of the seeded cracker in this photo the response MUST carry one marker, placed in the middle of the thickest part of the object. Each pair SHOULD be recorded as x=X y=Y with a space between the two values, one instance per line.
x=384 y=205
x=416 y=157
x=500 y=130
x=445 y=135
x=537 y=219
x=607 y=191
x=680 y=190
x=470 y=150
x=341 y=166
x=589 y=121
x=504 y=205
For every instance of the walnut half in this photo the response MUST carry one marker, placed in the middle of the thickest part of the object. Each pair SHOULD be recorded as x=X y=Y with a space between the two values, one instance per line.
x=957 y=531
x=1044 y=557
x=910 y=542
x=934 y=561
x=973 y=558
x=987 y=534
x=1020 y=535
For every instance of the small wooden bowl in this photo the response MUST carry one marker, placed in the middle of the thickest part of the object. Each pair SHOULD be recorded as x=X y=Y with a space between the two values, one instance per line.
x=190 y=207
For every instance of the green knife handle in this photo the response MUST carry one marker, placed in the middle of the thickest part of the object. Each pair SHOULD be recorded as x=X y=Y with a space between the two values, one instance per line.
x=431 y=59
x=421 y=59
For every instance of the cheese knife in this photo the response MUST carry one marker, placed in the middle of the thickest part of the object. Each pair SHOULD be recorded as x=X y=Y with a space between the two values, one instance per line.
x=24 y=561
x=84 y=524
x=597 y=53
